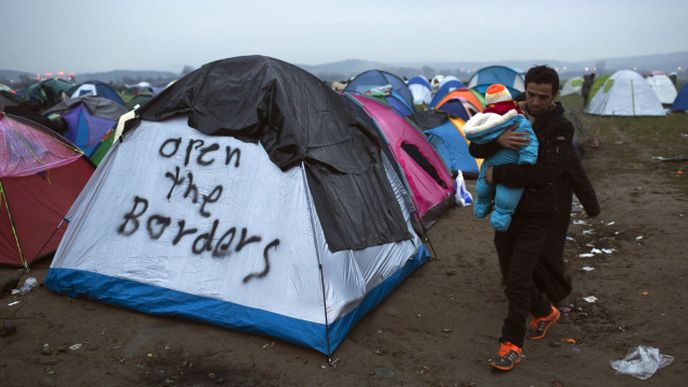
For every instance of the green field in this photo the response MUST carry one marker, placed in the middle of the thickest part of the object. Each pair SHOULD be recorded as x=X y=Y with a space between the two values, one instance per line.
x=642 y=138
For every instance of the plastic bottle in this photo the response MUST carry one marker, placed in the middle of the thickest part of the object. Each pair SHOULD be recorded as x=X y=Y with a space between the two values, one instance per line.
x=29 y=283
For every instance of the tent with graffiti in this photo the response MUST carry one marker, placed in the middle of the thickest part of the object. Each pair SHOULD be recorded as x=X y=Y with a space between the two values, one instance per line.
x=88 y=119
x=96 y=88
x=625 y=93
x=41 y=175
x=427 y=176
x=278 y=215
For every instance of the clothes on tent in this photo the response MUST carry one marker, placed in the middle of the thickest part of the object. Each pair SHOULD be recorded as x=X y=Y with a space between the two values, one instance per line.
x=375 y=78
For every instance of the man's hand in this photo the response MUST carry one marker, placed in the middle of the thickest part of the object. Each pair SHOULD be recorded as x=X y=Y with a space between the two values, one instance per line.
x=513 y=140
x=488 y=175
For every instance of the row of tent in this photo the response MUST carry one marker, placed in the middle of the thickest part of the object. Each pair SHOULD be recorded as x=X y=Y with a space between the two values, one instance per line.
x=627 y=93
x=418 y=90
x=84 y=114
x=292 y=218
x=49 y=92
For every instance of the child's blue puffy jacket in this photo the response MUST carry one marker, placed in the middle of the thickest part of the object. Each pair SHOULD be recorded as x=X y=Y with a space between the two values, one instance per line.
x=486 y=127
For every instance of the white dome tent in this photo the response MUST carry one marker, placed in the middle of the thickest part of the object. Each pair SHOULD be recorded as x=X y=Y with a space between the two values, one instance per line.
x=663 y=87
x=572 y=86
x=625 y=93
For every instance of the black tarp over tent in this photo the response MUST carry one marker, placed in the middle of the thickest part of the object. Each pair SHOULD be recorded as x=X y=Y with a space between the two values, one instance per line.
x=296 y=118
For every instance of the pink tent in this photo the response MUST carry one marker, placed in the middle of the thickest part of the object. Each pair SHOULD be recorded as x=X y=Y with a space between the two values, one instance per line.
x=428 y=178
x=40 y=177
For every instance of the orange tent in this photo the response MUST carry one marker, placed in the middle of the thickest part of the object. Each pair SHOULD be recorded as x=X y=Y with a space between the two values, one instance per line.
x=464 y=93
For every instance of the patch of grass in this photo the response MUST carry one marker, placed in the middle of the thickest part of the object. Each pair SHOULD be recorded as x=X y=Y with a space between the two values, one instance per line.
x=631 y=142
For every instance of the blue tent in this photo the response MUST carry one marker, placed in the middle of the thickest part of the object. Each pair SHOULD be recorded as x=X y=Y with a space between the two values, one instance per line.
x=96 y=88
x=453 y=148
x=512 y=78
x=88 y=120
x=397 y=102
x=455 y=108
x=446 y=88
x=681 y=102
x=374 y=78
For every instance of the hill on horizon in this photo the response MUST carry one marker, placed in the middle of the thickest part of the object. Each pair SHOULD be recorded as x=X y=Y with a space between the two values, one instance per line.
x=340 y=70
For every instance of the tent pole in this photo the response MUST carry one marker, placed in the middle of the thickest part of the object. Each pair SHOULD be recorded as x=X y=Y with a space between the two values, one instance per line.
x=47 y=241
x=425 y=235
x=22 y=259
x=320 y=266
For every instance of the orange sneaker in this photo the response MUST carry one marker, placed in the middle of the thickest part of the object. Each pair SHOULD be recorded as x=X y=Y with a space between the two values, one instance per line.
x=506 y=357
x=537 y=329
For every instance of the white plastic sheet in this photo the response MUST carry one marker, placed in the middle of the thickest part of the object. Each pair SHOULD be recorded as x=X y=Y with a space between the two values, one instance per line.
x=641 y=362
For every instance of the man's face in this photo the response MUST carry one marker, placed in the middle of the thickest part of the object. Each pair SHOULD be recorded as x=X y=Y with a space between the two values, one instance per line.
x=539 y=97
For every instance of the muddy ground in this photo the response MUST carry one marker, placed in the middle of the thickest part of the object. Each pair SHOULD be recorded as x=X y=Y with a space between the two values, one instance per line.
x=440 y=326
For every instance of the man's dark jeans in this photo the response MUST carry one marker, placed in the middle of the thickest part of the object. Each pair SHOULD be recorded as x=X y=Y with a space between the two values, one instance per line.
x=519 y=249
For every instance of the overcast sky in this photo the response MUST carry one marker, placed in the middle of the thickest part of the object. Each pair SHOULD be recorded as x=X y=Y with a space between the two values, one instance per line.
x=101 y=35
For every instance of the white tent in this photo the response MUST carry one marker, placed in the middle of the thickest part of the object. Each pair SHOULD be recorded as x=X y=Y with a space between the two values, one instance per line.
x=572 y=86
x=177 y=222
x=625 y=93
x=421 y=89
x=663 y=87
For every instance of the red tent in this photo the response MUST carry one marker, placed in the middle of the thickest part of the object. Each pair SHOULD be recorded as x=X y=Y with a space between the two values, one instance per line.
x=41 y=175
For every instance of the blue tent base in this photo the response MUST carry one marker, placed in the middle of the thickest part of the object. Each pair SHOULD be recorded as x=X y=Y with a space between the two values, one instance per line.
x=162 y=301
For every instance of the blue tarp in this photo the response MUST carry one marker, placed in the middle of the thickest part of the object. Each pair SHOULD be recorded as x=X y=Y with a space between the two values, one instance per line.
x=162 y=301
x=453 y=149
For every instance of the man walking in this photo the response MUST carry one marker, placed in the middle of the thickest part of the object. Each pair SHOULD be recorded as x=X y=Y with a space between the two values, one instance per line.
x=520 y=247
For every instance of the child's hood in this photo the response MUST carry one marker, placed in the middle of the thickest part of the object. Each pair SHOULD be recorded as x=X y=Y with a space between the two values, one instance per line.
x=485 y=121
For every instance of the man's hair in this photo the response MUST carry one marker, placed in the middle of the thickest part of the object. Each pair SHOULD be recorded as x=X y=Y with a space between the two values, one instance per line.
x=543 y=74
